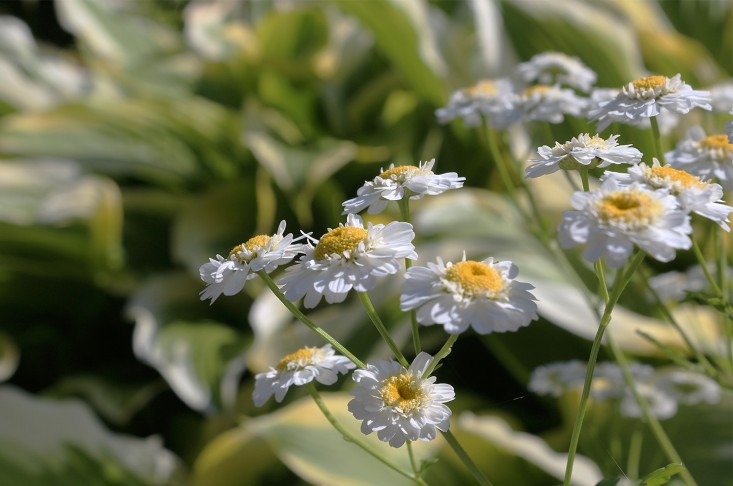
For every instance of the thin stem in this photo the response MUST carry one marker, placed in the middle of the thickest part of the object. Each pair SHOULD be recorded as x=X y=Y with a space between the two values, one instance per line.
x=302 y=317
x=622 y=278
x=722 y=267
x=369 y=307
x=584 y=179
x=701 y=259
x=662 y=439
x=413 y=464
x=657 y=139
x=442 y=353
x=503 y=173
x=602 y=288
x=351 y=438
x=632 y=465
x=463 y=455
x=404 y=204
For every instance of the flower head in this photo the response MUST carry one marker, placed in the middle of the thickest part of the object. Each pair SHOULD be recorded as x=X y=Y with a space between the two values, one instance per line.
x=722 y=97
x=557 y=68
x=687 y=386
x=400 y=404
x=348 y=257
x=694 y=195
x=540 y=102
x=263 y=252
x=483 y=99
x=647 y=97
x=582 y=152
x=482 y=295
x=708 y=157
x=615 y=218
x=396 y=183
x=298 y=368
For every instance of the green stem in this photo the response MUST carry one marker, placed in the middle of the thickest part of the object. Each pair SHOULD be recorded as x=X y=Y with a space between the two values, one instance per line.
x=657 y=139
x=622 y=278
x=369 y=307
x=413 y=464
x=352 y=438
x=466 y=459
x=404 y=204
x=632 y=465
x=662 y=439
x=442 y=353
x=701 y=260
x=584 y=179
x=603 y=289
x=302 y=317
x=722 y=266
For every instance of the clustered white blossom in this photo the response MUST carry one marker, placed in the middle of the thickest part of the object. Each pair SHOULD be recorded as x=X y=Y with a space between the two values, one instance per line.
x=708 y=157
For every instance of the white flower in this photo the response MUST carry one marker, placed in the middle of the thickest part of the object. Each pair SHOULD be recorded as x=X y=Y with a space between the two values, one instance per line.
x=613 y=219
x=543 y=103
x=693 y=195
x=228 y=275
x=721 y=96
x=395 y=183
x=483 y=99
x=582 y=152
x=400 y=404
x=688 y=387
x=660 y=404
x=348 y=257
x=482 y=295
x=557 y=378
x=729 y=130
x=556 y=67
x=709 y=158
x=608 y=379
x=675 y=285
x=298 y=368
x=646 y=98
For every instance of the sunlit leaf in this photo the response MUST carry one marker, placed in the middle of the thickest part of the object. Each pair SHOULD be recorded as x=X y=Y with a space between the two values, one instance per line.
x=662 y=475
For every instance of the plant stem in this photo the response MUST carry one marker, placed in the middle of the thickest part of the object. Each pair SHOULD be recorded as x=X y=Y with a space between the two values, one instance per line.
x=632 y=465
x=442 y=353
x=622 y=278
x=584 y=179
x=602 y=287
x=463 y=455
x=369 y=307
x=404 y=204
x=722 y=266
x=351 y=438
x=302 y=317
x=701 y=260
x=657 y=140
x=413 y=464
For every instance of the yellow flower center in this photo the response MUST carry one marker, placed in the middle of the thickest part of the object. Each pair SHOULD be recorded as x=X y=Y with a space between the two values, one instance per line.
x=717 y=142
x=402 y=391
x=299 y=359
x=475 y=278
x=397 y=173
x=486 y=88
x=677 y=177
x=340 y=240
x=536 y=89
x=634 y=208
x=253 y=245
x=649 y=82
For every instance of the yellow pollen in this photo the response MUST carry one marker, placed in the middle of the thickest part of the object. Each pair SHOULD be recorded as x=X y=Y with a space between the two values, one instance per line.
x=340 y=240
x=684 y=179
x=649 y=82
x=253 y=244
x=717 y=142
x=539 y=89
x=402 y=391
x=628 y=207
x=487 y=88
x=475 y=278
x=299 y=359
x=398 y=172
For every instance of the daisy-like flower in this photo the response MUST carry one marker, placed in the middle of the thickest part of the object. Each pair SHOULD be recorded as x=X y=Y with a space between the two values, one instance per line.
x=557 y=378
x=582 y=152
x=708 y=157
x=398 y=182
x=483 y=99
x=661 y=405
x=400 y=404
x=348 y=257
x=647 y=97
x=482 y=295
x=722 y=97
x=543 y=103
x=298 y=368
x=675 y=285
x=228 y=275
x=694 y=195
x=612 y=220
x=556 y=67
x=608 y=379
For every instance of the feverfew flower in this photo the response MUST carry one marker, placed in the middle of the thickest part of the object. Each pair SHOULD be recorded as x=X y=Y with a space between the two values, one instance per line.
x=298 y=368
x=646 y=98
x=688 y=387
x=400 y=404
x=228 y=275
x=675 y=285
x=483 y=99
x=396 y=183
x=582 y=152
x=614 y=219
x=661 y=405
x=556 y=67
x=557 y=378
x=708 y=157
x=722 y=97
x=542 y=103
x=348 y=257
x=482 y=295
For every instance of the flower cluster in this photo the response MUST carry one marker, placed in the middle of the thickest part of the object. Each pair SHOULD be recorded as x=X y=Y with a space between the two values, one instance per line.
x=708 y=157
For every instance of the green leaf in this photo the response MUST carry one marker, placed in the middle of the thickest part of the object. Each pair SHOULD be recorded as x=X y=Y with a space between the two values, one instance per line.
x=662 y=475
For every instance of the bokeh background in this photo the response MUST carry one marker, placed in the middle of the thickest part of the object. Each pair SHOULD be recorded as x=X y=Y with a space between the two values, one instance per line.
x=140 y=138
